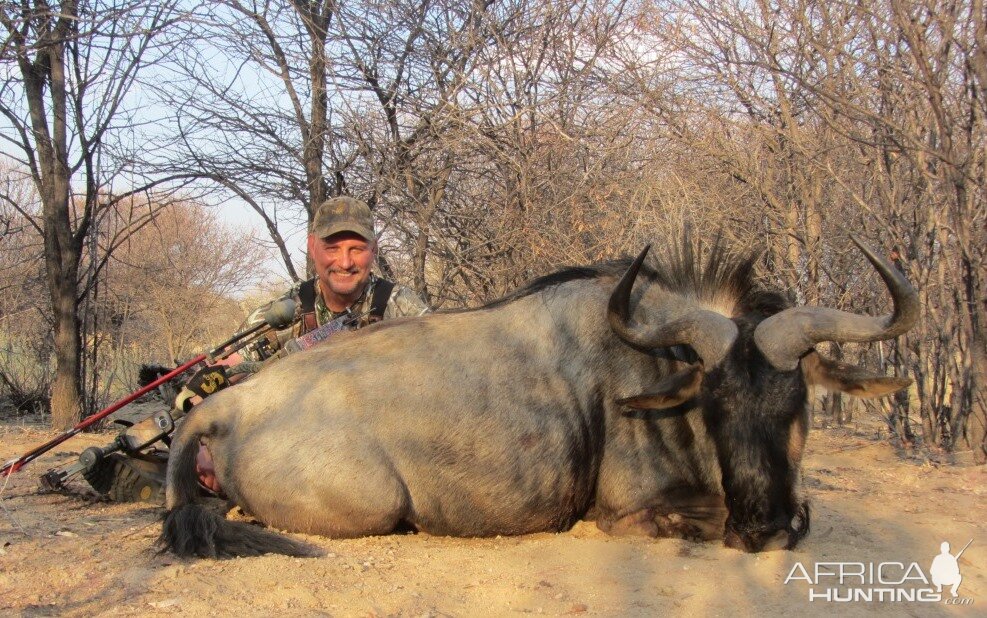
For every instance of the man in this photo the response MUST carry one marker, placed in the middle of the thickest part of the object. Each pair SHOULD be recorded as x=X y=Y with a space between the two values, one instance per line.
x=343 y=247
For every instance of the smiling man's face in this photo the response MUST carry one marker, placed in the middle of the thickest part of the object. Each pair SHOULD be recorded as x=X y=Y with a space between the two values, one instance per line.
x=342 y=263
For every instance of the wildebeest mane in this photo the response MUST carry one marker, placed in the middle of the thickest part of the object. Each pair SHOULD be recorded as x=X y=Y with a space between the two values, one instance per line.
x=572 y=273
x=725 y=279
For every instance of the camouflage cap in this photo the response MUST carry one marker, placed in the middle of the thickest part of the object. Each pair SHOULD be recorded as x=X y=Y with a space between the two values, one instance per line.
x=343 y=214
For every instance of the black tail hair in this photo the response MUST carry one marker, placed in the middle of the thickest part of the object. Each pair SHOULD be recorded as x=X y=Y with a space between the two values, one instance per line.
x=191 y=530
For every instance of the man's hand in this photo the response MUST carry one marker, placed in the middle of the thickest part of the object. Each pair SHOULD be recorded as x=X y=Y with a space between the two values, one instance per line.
x=230 y=361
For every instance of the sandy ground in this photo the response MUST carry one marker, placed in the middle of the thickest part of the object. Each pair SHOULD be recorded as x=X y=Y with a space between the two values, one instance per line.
x=71 y=554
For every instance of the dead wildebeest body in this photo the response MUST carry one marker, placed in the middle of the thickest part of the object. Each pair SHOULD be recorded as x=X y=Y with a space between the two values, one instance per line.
x=674 y=406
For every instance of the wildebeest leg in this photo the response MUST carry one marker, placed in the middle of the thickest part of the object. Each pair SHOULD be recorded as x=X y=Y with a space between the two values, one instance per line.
x=697 y=518
x=350 y=490
x=362 y=501
x=337 y=510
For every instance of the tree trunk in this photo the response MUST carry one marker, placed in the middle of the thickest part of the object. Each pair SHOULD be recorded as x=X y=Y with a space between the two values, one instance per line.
x=419 y=259
x=52 y=179
x=316 y=18
x=975 y=434
x=66 y=390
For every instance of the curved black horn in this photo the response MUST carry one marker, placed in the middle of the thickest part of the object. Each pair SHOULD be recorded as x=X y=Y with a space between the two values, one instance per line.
x=788 y=335
x=708 y=333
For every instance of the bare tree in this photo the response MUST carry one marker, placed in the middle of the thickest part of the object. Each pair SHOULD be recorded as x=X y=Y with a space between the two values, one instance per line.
x=903 y=84
x=326 y=98
x=837 y=115
x=258 y=121
x=68 y=70
x=406 y=70
x=177 y=277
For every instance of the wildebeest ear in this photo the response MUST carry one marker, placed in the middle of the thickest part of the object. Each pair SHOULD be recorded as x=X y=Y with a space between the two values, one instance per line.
x=670 y=392
x=849 y=379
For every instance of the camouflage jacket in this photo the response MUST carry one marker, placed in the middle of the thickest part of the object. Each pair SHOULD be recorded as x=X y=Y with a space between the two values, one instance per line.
x=402 y=302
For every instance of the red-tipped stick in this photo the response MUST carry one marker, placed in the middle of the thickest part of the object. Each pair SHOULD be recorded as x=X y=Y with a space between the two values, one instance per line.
x=16 y=464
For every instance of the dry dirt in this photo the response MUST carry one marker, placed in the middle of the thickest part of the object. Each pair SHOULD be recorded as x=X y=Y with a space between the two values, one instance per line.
x=69 y=554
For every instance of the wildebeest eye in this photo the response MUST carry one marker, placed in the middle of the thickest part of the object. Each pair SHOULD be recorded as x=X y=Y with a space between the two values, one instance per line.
x=670 y=392
x=681 y=353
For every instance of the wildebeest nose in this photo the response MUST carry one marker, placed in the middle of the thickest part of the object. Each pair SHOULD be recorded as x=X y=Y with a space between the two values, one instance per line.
x=757 y=541
x=734 y=541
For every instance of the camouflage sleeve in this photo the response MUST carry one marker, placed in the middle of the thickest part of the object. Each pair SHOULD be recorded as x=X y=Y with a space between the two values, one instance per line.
x=404 y=302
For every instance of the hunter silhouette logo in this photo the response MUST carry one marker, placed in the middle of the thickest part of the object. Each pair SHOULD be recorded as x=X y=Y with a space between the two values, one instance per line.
x=945 y=569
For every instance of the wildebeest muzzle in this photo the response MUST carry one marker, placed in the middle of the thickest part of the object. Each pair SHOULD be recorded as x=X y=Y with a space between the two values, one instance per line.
x=782 y=533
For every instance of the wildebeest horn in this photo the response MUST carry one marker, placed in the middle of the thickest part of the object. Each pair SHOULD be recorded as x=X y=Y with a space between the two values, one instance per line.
x=787 y=336
x=708 y=333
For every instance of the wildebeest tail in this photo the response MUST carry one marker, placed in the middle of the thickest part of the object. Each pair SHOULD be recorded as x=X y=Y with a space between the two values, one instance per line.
x=192 y=530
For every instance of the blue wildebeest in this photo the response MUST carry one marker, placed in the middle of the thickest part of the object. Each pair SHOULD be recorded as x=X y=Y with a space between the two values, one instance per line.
x=665 y=400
